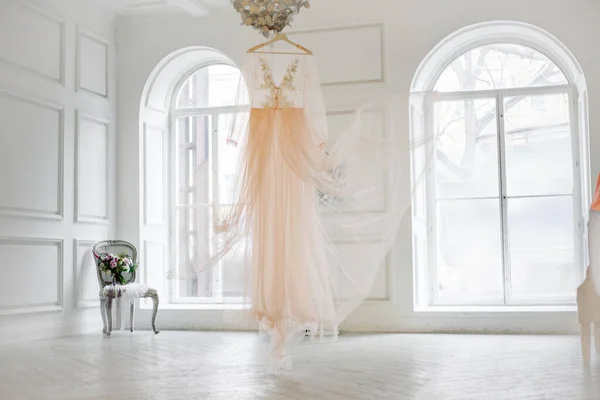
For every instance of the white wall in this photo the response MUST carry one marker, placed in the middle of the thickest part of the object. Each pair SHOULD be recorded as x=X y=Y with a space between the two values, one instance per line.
x=356 y=63
x=57 y=164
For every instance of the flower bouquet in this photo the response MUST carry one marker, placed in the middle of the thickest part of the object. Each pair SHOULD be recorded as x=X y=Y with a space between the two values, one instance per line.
x=116 y=266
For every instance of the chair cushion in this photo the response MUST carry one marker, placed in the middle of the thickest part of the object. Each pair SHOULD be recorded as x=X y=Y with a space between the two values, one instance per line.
x=129 y=291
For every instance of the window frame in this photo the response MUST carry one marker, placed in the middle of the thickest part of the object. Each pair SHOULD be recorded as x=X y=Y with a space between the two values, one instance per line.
x=426 y=282
x=430 y=199
x=213 y=114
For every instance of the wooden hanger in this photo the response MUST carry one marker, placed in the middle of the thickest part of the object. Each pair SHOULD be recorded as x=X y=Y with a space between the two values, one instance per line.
x=280 y=37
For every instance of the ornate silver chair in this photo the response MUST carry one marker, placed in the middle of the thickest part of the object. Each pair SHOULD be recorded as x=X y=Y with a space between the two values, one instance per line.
x=110 y=290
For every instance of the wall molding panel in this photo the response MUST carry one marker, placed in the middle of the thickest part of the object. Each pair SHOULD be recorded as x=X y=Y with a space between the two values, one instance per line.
x=13 y=17
x=58 y=168
x=154 y=216
x=83 y=298
x=38 y=278
x=383 y=119
x=25 y=210
x=89 y=188
x=386 y=265
x=151 y=274
x=343 y=66
x=92 y=63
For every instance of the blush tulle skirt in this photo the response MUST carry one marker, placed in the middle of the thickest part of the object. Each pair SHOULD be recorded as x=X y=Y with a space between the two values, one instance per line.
x=313 y=223
x=277 y=212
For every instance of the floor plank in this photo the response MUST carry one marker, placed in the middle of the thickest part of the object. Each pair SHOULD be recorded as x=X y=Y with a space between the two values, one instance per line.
x=216 y=365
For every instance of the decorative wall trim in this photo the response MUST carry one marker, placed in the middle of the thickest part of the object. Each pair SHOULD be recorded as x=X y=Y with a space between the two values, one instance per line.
x=79 y=217
x=44 y=307
x=147 y=245
x=147 y=221
x=156 y=110
x=154 y=78
x=36 y=213
x=386 y=177
x=387 y=264
x=84 y=33
x=78 y=244
x=388 y=284
x=379 y=26
x=173 y=68
x=61 y=50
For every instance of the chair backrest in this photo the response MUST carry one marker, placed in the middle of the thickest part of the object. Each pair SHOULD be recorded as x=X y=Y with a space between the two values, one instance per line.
x=113 y=247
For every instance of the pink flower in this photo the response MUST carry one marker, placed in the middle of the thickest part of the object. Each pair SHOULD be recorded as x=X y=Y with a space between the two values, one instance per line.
x=113 y=264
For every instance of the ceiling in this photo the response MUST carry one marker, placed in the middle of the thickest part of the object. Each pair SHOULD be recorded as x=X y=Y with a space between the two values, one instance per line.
x=198 y=8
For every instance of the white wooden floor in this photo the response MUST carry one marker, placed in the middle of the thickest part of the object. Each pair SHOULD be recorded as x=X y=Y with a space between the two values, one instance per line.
x=214 y=365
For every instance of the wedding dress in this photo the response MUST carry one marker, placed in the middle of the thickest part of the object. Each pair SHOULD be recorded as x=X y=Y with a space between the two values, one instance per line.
x=314 y=217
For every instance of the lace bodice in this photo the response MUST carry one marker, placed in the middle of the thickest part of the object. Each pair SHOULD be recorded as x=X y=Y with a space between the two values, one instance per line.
x=279 y=82
x=270 y=92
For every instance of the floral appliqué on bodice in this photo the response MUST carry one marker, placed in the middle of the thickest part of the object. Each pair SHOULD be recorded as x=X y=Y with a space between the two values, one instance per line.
x=277 y=98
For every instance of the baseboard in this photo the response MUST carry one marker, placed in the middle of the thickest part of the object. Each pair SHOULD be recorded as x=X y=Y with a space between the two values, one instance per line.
x=27 y=333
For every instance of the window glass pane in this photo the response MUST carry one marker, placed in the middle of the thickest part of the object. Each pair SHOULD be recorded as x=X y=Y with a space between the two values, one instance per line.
x=200 y=153
x=233 y=272
x=234 y=275
x=212 y=86
x=499 y=66
x=469 y=251
x=228 y=161
x=542 y=250
x=539 y=158
x=192 y=144
x=466 y=163
x=193 y=184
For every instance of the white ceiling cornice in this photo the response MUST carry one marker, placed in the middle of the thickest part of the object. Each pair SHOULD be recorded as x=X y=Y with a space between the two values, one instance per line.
x=196 y=8
x=193 y=7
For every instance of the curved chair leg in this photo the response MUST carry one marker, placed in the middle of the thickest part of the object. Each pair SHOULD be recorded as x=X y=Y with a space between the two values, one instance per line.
x=131 y=314
x=103 y=312
x=154 y=297
x=109 y=315
x=119 y=314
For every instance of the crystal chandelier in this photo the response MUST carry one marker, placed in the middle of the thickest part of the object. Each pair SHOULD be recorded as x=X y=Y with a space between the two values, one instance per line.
x=268 y=16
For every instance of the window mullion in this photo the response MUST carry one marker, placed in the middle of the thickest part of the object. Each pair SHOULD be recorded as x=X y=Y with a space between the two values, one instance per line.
x=172 y=160
x=183 y=197
x=431 y=208
x=503 y=197
x=217 y=275
x=580 y=228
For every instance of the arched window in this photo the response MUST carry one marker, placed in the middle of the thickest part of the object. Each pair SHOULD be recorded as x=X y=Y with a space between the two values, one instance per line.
x=499 y=220
x=185 y=113
x=201 y=113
